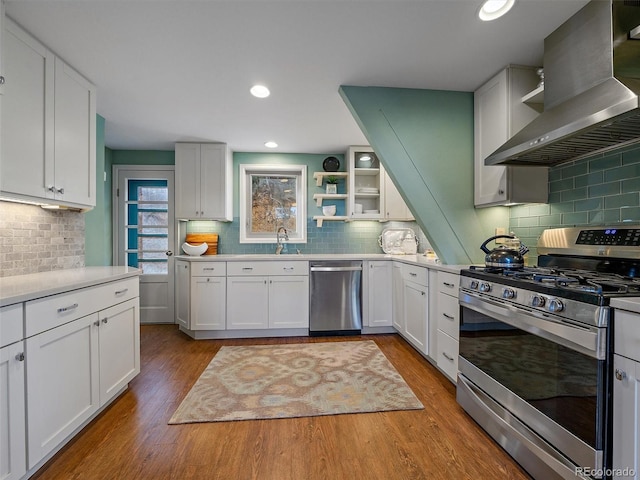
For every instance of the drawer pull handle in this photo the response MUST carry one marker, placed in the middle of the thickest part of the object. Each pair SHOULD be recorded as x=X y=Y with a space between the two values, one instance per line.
x=209 y=268
x=448 y=357
x=97 y=323
x=120 y=292
x=446 y=315
x=413 y=274
x=620 y=374
x=247 y=268
x=287 y=269
x=447 y=284
x=423 y=293
x=20 y=357
x=66 y=309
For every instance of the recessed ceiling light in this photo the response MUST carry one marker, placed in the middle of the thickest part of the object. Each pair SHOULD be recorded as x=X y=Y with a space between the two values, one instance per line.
x=260 y=91
x=492 y=9
x=270 y=144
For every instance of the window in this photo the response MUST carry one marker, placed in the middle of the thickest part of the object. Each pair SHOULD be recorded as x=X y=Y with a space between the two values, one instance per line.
x=273 y=196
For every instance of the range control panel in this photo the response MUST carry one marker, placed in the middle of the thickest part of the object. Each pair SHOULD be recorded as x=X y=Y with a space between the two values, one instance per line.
x=623 y=237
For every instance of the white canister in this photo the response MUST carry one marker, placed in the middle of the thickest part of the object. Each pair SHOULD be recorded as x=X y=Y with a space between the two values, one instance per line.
x=357 y=208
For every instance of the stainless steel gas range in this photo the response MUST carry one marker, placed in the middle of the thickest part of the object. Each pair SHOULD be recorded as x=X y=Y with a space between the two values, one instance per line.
x=536 y=349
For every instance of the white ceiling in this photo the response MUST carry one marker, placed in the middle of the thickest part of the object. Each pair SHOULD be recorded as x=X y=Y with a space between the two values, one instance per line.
x=170 y=71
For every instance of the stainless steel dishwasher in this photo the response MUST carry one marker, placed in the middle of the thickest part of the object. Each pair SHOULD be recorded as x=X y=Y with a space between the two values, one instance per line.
x=335 y=305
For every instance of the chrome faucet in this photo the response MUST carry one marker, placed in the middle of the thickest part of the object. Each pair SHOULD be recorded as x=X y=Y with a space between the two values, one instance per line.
x=281 y=234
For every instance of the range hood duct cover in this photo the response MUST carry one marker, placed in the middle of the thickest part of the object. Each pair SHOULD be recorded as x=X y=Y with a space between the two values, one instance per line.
x=592 y=82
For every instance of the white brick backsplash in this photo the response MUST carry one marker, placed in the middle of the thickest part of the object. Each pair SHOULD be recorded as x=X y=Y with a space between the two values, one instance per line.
x=36 y=240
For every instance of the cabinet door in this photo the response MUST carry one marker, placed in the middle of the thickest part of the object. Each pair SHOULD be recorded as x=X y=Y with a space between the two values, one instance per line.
x=187 y=195
x=62 y=384
x=289 y=302
x=398 y=297
x=416 y=308
x=27 y=108
x=491 y=131
x=183 y=294
x=380 y=292
x=247 y=302
x=214 y=172
x=75 y=137
x=13 y=459
x=626 y=416
x=119 y=340
x=394 y=206
x=208 y=303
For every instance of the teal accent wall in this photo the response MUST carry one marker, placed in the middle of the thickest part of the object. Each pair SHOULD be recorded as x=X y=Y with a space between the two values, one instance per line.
x=601 y=190
x=424 y=139
x=98 y=242
x=143 y=157
x=333 y=237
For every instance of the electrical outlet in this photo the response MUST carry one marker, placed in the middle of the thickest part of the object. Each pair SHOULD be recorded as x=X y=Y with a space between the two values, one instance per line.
x=500 y=231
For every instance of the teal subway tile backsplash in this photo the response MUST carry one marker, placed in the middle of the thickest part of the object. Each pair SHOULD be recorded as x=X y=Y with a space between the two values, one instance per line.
x=597 y=191
x=332 y=237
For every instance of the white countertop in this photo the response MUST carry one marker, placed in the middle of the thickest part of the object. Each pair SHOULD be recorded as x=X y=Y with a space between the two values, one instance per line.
x=631 y=304
x=411 y=259
x=22 y=288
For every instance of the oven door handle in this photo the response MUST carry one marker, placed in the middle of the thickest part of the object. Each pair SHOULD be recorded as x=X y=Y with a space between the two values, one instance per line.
x=588 y=340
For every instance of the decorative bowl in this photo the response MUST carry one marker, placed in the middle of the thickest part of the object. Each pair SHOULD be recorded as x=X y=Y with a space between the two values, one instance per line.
x=329 y=210
x=194 y=250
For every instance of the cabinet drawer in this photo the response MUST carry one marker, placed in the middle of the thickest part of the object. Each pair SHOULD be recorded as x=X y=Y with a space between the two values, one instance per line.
x=448 y=283
x=49 y=312
x=448 y=355
x=268 y=268
x=627 y=334
x=448 y=314
x=208 y=269
x=11 y=325
x=415 y=274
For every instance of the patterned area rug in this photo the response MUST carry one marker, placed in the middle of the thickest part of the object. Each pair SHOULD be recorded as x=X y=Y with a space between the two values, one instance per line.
x=295 y=380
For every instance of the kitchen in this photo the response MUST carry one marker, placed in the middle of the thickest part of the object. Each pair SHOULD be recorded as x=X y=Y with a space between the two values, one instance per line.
x=592 y=191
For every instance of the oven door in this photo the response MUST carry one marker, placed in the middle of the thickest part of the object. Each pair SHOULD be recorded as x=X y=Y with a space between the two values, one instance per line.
x=549 y=374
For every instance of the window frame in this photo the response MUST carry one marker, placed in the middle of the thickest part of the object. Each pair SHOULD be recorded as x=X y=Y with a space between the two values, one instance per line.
x=246 y=172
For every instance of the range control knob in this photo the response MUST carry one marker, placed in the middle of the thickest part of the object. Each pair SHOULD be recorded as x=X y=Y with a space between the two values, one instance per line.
x=485 y=287
x=508 y=293
x=537 y=301
x=473 y=285
x=555 y=305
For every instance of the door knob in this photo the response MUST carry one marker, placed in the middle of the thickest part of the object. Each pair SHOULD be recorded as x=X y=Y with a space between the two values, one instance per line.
x=168 y=253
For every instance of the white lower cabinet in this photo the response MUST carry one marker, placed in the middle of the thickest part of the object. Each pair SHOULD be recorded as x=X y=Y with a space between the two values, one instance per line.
x=208 y=303
x=183 y=293
x=13 y=463
x=378 y=302
x=448 y=322
x=411 y=305
x=263 y=295
x=75 y=366
x=62 y=368
x=626 y=396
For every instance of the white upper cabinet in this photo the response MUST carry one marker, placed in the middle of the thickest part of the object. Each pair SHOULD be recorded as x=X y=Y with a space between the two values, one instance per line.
x=48 y=126
x=372 y=193
x=204 y=181
x=499 y=113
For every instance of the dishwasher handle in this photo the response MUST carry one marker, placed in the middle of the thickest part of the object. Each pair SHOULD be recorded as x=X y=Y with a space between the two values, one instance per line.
x=335 y=269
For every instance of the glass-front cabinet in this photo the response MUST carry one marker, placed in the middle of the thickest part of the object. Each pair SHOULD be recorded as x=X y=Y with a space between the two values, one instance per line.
x=365 y=179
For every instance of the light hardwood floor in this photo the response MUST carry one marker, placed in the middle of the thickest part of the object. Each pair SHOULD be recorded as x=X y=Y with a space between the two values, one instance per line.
x=131 y=439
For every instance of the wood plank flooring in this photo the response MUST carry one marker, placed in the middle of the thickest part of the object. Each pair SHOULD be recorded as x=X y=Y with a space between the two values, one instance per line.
x=131 y=439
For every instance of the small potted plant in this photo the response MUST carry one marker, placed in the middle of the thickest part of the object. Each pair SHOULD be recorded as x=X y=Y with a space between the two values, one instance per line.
x=332 y=184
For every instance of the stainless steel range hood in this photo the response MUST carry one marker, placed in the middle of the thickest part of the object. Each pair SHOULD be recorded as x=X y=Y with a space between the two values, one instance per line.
x=592 y=82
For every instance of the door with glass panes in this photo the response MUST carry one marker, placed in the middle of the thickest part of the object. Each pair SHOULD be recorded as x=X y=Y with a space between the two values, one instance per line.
x=143 y=215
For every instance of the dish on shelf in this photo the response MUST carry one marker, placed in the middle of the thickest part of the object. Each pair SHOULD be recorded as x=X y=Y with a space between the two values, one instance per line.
x=331 y=164
x=329 y=210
